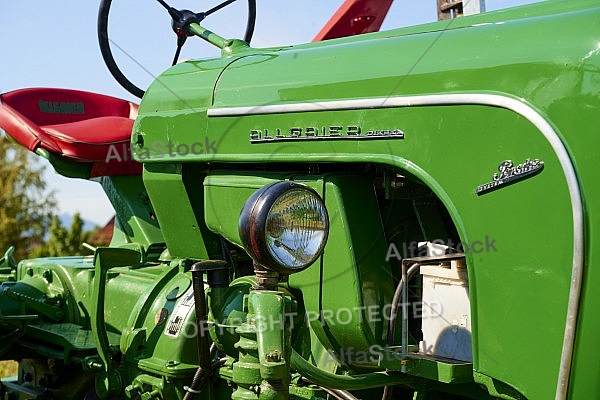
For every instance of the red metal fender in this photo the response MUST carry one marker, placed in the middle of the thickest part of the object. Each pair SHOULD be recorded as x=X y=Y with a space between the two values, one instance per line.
x=355 y=17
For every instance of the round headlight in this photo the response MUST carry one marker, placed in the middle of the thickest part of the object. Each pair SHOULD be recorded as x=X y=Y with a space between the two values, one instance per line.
x=284 y=226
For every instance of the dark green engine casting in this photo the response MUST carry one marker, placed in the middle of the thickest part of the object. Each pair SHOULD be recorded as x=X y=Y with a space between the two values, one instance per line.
x=417 y=220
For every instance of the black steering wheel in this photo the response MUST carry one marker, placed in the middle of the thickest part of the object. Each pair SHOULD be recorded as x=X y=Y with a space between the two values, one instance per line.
x=180 y=22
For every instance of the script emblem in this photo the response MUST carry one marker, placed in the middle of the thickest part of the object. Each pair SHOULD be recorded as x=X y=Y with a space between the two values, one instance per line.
x=509 y=173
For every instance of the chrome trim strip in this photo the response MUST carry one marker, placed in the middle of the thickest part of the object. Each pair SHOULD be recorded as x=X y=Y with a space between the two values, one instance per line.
x=495 y=100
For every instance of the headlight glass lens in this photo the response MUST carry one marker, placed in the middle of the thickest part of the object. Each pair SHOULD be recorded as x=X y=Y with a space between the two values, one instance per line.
x=296 y=228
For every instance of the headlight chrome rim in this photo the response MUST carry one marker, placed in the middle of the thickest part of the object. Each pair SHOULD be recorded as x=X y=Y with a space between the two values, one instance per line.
x=256 y=227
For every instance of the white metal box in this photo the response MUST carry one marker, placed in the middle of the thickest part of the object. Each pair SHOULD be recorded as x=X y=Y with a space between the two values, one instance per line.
x=447 y=329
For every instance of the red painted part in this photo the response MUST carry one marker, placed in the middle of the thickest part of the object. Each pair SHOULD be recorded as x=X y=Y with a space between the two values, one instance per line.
x=355 y=17
x=75 y=125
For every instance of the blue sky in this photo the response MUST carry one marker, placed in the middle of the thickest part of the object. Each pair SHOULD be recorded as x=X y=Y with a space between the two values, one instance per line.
x=54 y=44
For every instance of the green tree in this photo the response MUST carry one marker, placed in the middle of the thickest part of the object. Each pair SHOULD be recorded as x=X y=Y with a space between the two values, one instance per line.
x=75 y=235
x=63 y=241
x=57 y=243
x=25 y=205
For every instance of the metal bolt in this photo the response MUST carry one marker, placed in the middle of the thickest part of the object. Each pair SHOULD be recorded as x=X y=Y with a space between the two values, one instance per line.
x=275 y=356
x=397 y=182
x=132 y=391
x=150 y=395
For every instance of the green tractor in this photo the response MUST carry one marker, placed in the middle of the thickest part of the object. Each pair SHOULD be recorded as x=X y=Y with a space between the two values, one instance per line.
x=399 y=215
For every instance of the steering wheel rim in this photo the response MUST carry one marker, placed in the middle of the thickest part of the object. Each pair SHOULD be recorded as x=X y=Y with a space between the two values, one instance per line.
x=109 y=59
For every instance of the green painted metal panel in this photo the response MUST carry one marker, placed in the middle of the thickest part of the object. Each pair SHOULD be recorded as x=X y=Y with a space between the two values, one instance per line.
x=415 y=105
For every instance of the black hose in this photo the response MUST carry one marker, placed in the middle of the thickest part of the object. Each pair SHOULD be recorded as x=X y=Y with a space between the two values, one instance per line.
x=204 y=351
x=201 y=375
x=194 y=389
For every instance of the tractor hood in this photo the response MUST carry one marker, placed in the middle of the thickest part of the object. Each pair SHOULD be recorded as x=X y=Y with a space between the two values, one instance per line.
x=210 y=110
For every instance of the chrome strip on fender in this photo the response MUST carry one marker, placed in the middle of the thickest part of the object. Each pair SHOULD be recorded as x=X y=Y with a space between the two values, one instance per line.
x=494 y=100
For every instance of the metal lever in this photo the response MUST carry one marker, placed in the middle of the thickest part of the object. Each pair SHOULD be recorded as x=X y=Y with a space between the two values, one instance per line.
x=108 y=380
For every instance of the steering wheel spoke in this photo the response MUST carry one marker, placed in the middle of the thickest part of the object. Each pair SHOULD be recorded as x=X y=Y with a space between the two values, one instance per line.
x=181 y=22
x=165 y=5
x=180 y=42
x=219 y=6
